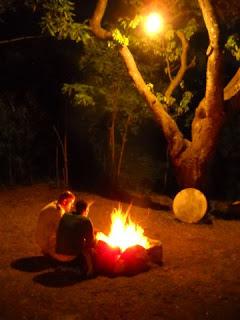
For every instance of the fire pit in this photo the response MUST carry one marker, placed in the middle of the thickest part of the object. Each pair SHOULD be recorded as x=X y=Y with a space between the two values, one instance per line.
x=126 y=250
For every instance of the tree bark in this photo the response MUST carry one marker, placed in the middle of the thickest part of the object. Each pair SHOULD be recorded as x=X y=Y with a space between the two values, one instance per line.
x=112 y=140
x=112 y=144
x=209 y=115
x=63 y=145
x=191 y=159
x=123 y=145
x=232 y=89
x=183 y=68
x=65 y=156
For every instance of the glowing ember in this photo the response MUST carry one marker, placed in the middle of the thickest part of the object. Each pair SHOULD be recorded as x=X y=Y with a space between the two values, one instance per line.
x=124 y=233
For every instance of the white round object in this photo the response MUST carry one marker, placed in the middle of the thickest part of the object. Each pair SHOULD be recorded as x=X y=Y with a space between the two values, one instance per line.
x=190 y=205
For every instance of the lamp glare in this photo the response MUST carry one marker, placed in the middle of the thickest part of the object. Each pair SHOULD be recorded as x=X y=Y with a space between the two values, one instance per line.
x=153 y=23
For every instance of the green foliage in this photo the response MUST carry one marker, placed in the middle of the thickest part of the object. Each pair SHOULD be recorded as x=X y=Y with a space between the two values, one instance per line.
x=58 y=21
x=191 y=28
x=105 y=88
x=134 y=3
x=184 y=104
x=82 y=94
x=130 y=24
x=169 y=33
x=150 y=86
x=173 y=107
x=165 y=52
x=182 y=84
x=167 y=101
x=233 y=45
x=135 y=22
x=103 y=78
x=6 y=5
x=120 y=38
x=20 y=127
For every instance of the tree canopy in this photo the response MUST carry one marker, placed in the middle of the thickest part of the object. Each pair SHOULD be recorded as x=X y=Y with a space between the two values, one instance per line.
x=189 y=110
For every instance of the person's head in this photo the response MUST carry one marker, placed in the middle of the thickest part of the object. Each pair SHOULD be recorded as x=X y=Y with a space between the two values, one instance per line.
x=66 y=200
x=82 y=207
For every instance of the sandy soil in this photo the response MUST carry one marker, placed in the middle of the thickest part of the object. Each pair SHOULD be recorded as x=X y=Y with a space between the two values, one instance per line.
x=200 y=277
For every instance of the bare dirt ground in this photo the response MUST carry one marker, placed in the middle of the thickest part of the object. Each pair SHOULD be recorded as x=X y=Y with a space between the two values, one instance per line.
x=200 y=277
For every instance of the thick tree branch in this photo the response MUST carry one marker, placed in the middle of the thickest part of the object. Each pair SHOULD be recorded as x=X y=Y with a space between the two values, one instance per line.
x=233 y=87
x=183 y=68
x=95 y=21
x=192 y=64
x=209 y=114
x=168 y=125
x=231 y=90
x=214 y=85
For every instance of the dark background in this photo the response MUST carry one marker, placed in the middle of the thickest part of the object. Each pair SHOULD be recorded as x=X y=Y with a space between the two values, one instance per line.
x=32 y=73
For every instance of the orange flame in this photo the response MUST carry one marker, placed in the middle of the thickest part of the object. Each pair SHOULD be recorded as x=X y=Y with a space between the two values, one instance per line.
x=124 y=233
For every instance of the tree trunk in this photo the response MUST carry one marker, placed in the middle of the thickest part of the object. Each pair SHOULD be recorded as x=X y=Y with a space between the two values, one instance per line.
x=191 y=159
x=112 y=144
x=123 y=145
x=63 y=145
x=65 y=155
x=57 y=168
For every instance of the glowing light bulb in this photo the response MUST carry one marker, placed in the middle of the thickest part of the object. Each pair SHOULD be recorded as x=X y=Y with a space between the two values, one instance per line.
x=153 y=23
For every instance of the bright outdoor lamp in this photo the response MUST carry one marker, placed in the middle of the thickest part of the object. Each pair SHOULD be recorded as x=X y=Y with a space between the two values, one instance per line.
x=153 y=23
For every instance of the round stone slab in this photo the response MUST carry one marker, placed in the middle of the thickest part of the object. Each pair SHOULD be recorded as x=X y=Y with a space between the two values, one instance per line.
x=190 y=205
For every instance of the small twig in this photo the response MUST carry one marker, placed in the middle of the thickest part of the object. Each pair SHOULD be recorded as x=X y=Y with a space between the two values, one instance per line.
x=168 y=69
x=59 y=139
x=192 y=64
x=20 y=39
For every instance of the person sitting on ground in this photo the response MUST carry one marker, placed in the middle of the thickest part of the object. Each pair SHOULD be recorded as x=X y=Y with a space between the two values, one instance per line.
x=75 y=235
x=47 y=225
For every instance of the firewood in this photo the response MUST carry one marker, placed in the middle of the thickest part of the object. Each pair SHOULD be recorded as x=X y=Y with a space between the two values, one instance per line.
x=133 y=261
x=190 y=205
x=155 y=253
x=105 y=258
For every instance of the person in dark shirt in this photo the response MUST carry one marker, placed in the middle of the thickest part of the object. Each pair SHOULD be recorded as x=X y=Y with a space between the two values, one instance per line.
x=75 y=235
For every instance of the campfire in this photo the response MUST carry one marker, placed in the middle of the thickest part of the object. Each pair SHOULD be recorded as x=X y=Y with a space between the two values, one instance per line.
x=126 y=250
x=124 y=233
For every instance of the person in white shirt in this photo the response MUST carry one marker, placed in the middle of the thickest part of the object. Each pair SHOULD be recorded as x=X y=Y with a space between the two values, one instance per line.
x=48 y=222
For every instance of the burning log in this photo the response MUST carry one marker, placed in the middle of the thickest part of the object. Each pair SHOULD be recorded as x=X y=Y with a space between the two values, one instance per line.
x=132 y=261
x=105 y=258
x=155 y=254
x=126 y=250
x=135 y=259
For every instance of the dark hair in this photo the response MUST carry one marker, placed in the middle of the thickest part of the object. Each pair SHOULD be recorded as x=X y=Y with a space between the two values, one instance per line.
x=81 y=206
x=67 y=195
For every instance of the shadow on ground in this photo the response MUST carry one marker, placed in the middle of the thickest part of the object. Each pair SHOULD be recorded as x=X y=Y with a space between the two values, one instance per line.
x=33 y=264
x=57 y=278
x=57 y=275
